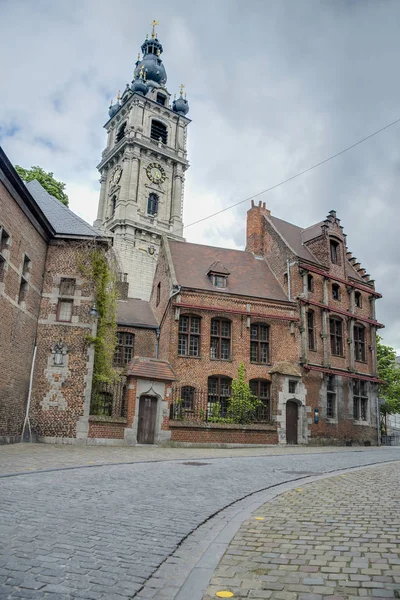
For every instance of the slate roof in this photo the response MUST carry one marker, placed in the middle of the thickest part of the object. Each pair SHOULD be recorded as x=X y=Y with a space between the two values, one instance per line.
x=62 y=219
x=293 y=236
x=249 y=276
x=134 y=312
x=151 y=368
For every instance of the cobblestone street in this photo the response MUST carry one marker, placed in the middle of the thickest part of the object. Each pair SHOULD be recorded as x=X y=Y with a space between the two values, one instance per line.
x=335 y=539
x=104 y=532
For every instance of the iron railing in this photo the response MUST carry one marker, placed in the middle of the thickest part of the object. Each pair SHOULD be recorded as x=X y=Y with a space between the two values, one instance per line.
x=200 y=407
x=109 y=399
x=391 y=440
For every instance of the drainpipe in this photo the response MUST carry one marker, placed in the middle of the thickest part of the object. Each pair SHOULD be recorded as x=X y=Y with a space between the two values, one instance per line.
x=288 y=278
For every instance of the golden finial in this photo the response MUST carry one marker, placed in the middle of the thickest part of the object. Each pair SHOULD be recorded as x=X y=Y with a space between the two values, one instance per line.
x=119 y=95
x=138 y=55
x=158 y=52
x=144 y=75
x=141 y=71
x=147 y=36
x=153 y=31
x=182 y=88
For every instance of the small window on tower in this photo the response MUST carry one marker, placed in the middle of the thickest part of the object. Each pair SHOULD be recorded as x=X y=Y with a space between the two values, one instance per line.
x=120 y=133
x=161 y=99
x=113 y=205
x=335 y=291
x=310 y=283
x=357 y=297
x=159 y=131
x=152 y=205
x=335 y=252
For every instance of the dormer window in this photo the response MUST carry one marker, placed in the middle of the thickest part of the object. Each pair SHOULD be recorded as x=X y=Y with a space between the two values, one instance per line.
x=218 y=275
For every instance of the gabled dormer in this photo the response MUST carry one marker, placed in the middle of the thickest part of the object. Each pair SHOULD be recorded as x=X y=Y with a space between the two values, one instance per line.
x=218 y=274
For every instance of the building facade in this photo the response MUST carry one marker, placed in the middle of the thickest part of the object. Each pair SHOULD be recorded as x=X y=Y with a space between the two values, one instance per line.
x=142 y=170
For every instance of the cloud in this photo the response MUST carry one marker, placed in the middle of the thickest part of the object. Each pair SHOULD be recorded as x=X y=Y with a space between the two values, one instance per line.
x=273 y=87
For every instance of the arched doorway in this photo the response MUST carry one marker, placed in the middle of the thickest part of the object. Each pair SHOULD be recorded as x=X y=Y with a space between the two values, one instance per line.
x=291 y=422
x=147 y=419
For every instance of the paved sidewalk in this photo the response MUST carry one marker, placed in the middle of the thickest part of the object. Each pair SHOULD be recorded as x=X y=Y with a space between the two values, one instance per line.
x=18 y=458
x=334 y=539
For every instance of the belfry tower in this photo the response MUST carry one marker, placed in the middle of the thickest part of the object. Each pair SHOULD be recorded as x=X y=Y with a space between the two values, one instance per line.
x=142 y=170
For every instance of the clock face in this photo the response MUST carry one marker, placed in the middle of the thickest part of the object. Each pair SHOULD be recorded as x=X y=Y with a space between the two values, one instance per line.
x=117 y=175
x=156 y=173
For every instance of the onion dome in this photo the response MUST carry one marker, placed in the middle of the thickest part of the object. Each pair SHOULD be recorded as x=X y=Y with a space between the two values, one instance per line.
x=151 y=61
x=113 y=108
x=139 y=85
x=181 y=106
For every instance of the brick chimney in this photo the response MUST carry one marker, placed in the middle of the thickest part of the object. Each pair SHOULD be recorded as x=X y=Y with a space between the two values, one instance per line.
x=255 y=228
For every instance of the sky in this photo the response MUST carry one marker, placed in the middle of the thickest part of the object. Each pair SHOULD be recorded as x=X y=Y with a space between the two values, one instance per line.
x=274 y=86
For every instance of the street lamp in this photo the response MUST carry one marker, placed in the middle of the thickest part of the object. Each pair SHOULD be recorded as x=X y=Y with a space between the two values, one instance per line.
x=93 y=312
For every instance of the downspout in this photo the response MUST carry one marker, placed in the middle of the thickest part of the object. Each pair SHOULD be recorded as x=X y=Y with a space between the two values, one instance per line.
x=158 y=331
x=288 y=279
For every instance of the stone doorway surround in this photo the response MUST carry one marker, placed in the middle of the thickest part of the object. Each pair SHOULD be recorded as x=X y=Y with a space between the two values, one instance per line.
x=148 y=377
x=284 y=376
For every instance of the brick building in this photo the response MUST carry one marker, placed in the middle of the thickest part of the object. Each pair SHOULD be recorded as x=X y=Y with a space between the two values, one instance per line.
x=45 y=300
x=296 y=308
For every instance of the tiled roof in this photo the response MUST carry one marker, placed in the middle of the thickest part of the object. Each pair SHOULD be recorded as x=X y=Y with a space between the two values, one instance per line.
x=249 y=276
x=293 y=236
x=62 y=219
x=151 y=368
x=137 y=312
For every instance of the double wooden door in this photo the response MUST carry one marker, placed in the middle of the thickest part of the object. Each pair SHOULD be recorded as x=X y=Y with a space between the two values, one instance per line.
x=147 y=420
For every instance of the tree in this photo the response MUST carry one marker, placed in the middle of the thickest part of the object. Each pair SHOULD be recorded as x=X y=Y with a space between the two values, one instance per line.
x=51 y=185
x=389 y=372
x=242 y=404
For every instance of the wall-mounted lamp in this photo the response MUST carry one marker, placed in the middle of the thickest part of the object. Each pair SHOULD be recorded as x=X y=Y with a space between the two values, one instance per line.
x=316 y=415
x=93 y=312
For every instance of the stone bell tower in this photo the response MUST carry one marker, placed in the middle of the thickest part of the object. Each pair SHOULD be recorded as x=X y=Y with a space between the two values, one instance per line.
x=142 y=170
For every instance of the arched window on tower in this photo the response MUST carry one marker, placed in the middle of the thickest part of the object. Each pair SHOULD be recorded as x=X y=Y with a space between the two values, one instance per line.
x=152 y=204
x=120 y=133
x=113 y=205
x=159 y=131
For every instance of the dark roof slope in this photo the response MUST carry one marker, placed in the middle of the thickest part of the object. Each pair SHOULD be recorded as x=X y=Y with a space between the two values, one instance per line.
x=293 y=236
x=151 y=368
x=135 y=312
x=249 y=276
x=62 y=219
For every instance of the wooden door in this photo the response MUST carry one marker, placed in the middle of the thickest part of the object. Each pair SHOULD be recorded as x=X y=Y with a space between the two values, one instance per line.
x=147 y=420
x=291 y=422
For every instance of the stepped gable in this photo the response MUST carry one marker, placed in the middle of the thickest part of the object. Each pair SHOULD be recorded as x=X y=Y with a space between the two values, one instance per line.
x=248 y=276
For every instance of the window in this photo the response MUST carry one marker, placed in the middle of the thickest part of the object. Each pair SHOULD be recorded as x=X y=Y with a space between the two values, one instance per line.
x=359 y=343
x=4 y=239
x=159 y=131
x=292 y=386
x=334 y=252
x=360 y=400
x=158 y=293
x=285 y=278
x=23 y=288
x=189 y=336
x=310 y=283
x=64 y=310
x=310 y=329
x=357 y=299
x=161 y=99
x=262 y=389
x=2 y=268
x=218 y=281
x=152 y=204
x=187 y=397
x=26 y=266
x=67 y=286
x=220 y=346
x=331 y=397
x=335 y=291
x=219 y=390
x=124 y=348
x=113 y=205
x=259 y=343
x=120 y=133
x=336 y=337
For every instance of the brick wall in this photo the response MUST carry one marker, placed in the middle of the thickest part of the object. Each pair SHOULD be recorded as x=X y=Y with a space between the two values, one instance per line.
x=18 y=320
x=228 y=434
x=104 y=428
x=144 y=342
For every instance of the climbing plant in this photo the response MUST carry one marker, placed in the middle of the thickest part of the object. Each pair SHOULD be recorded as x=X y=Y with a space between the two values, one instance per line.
x=242 y=405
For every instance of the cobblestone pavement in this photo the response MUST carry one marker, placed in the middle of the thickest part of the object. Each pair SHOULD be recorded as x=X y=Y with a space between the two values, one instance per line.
x=16 y=458
x=334 y=539
x=101 y=532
